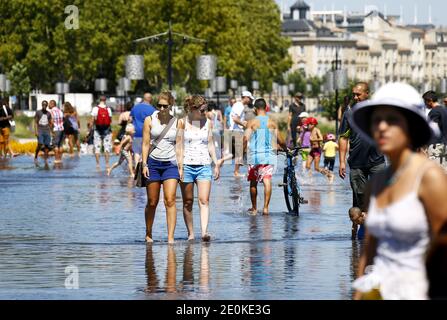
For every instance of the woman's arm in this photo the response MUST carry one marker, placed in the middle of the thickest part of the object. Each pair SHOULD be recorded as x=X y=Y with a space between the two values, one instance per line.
x=146 y=145
x=179 y=143
x=432 y=193
x=77 y=119
x=212 y=151
x=370 y=242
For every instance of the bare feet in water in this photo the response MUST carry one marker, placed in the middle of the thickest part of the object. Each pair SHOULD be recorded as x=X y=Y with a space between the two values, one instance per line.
x=149 y=239
x=252 y=211
x=206 y=237
x=191 y=237
x=265 y=212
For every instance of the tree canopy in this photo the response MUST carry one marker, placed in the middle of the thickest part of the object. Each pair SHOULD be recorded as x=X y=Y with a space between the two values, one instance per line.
x=245 y=36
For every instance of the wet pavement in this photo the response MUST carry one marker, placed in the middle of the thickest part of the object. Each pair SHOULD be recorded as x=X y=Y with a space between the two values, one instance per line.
x=74 y=233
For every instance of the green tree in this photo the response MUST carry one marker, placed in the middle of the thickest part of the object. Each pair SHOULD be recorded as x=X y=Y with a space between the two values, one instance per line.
x=20 y=82
x=245 y=35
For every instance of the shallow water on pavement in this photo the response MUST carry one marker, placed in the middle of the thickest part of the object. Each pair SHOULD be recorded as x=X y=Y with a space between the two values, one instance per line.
x=73 y=226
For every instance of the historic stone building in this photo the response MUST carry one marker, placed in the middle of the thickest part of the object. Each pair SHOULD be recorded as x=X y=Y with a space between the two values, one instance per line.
x=372 y=47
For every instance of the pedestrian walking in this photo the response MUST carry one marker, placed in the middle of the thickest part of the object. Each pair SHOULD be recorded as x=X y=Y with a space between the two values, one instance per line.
x=364 y=158
x=58 y=131
x=43 y=124
x=6 y=117
x=237 y=126
x=196 y=154
x=406 y=201
x=437 y=114
x=160 y=163
x=138 y=114
x=102 y=136
x=263 y=144
x=295 y=109
x=72 y=127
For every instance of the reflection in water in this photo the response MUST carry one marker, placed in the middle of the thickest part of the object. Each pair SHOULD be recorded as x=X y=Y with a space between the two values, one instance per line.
x=355 y=257
x=236 y=195
x=257 y=269
x=151 y=272
x=290 y=232
x=187 y=284
x=171 y=271
x=315 y=201
x=253 y=257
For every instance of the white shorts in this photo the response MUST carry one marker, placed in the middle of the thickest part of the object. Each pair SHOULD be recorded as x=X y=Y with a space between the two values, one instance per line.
x=100 y=141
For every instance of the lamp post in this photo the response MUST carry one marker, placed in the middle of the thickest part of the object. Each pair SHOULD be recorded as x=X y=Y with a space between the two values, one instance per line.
x=61 y=89
x=336 y=80
x=170 y=43
x=233 y=86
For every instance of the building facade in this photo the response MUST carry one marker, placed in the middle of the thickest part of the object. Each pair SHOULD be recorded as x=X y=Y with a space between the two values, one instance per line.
x=372 y=47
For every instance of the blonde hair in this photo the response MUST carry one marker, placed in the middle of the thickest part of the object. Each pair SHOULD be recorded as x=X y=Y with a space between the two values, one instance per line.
x=68 y=108
x=167 y=95
x=193 y=101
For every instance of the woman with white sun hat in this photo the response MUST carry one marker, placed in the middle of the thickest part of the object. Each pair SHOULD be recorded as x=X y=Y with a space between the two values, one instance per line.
x=407 y=204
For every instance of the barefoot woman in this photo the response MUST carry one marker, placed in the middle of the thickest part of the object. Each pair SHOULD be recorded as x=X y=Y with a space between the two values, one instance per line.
x=160 y=166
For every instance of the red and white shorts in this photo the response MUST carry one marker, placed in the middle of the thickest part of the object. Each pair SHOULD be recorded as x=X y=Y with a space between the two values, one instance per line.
x=260 y=172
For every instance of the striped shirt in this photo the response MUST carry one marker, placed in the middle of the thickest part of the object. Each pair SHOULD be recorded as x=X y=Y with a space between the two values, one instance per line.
x=58 y=119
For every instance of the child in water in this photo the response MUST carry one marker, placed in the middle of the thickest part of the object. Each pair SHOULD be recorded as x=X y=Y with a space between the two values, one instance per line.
x=304 y=142
x=330 y=150
x=126 y=150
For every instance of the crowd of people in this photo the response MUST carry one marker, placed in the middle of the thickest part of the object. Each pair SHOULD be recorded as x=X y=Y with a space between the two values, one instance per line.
x=393 y=142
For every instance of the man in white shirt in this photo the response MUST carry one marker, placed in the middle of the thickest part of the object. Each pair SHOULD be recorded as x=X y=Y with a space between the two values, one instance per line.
x=237 y=126
x=102 y=120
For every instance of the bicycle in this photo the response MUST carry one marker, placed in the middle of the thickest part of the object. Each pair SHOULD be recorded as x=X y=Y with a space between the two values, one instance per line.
x=292 y=192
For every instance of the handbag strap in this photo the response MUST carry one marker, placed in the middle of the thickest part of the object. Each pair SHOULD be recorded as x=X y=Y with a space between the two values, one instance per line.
x=162 y=135
x=6 y=111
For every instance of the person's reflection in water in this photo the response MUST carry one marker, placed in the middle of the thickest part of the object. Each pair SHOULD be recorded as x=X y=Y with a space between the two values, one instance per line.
x=151 y=273
x=355 y=256
x=187 y=284
x=188 y=269
x=290 y=232
x=171 y=271
x=204 y=276
x=58 y=166
x=260 y=254
x=315 y=201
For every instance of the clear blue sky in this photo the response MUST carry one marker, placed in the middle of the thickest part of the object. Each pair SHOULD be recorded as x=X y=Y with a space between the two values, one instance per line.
x=439 y=7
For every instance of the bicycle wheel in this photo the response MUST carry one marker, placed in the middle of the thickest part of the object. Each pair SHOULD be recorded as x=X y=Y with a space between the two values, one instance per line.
x=291 y=193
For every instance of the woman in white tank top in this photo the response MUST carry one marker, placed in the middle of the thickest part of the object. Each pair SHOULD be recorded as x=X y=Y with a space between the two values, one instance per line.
x=407 y=206
x=196 y=152
x=160 y=167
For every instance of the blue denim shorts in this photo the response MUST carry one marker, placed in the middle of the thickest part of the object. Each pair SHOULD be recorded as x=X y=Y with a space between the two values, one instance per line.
x=192 y=173
x=44 y=138
x=162 y=170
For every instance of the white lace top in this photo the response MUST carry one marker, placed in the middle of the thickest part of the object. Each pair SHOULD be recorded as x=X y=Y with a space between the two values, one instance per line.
x=196 y=150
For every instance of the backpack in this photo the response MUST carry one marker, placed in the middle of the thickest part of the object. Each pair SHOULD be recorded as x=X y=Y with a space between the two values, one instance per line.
x=103 y=119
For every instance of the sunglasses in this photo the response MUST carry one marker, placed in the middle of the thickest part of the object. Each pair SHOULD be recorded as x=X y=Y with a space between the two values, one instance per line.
x=162 y=106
